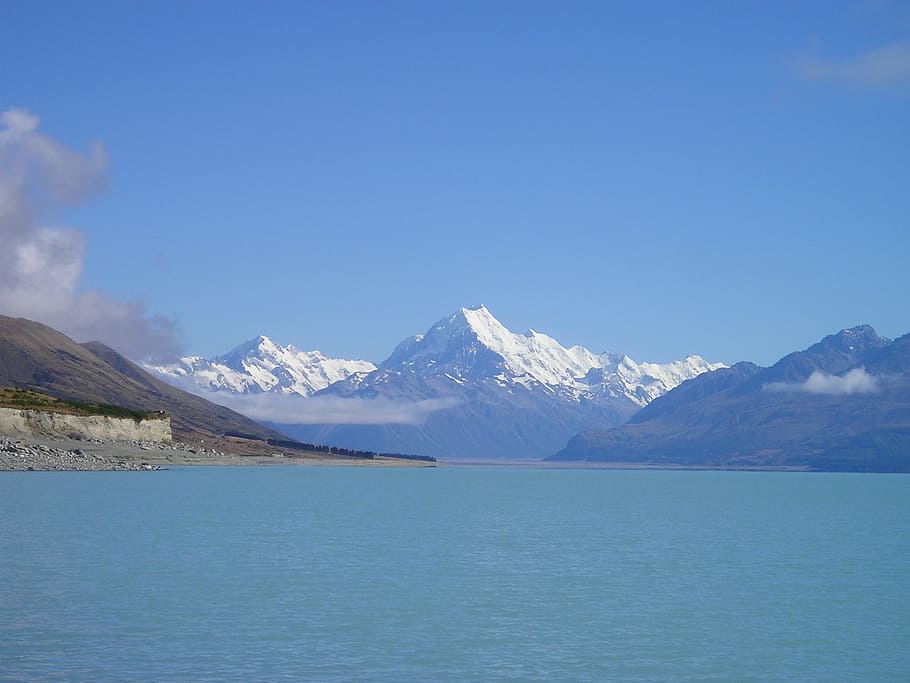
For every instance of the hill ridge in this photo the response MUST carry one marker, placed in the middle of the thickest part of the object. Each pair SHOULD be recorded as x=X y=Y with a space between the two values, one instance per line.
x=36 y=356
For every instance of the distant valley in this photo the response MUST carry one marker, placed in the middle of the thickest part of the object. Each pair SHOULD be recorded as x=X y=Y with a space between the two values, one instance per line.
x=470 y=388
x=467 y=388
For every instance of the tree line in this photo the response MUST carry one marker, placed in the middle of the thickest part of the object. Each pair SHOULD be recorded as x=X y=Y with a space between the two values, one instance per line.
x=290 y=444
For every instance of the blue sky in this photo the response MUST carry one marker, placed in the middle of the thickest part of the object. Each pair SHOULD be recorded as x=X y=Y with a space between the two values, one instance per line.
x=728 y=179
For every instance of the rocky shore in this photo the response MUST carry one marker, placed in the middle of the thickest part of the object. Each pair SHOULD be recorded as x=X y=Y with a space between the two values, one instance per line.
x=21 y=454
x=35 y=453
x=32 y=453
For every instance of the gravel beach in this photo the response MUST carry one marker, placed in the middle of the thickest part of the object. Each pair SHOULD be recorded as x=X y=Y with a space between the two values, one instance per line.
x=33 y=453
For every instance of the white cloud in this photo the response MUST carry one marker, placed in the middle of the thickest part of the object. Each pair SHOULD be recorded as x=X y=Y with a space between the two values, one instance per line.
x=293 y=409
x=885 y=66
x=40 y=265
x=857 y=381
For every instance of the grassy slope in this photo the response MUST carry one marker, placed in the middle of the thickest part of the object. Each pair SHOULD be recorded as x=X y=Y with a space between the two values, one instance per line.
x=26 y=399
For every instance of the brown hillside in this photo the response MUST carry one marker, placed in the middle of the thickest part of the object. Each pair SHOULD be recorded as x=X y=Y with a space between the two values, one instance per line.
x=35 y=356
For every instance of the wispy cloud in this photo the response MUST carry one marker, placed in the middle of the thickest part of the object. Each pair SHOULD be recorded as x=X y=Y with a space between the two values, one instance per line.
x=40 y=265
x=882 y=67
x=332 y=409
x=295 y=409
x=857 y=381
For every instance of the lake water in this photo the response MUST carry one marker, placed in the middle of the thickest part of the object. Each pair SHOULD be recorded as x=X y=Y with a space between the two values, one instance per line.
x=453 y=574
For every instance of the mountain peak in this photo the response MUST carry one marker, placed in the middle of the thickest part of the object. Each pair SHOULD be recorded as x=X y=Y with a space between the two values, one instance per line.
x=479 y=308
x=474 y=315
x=257 y=346
x=835 y=354
x=255 y=343
x=472 y=344
x=866 y=332
x=488 y=329
x=853 y=339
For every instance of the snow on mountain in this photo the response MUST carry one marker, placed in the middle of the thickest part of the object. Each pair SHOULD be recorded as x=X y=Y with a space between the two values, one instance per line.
x=260 y=365
x=472 y=345
x=494 y=393
x=642 y=382
x=510 y=395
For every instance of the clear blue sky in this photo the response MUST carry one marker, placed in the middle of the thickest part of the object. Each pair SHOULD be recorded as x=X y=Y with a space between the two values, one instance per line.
x=661 y=178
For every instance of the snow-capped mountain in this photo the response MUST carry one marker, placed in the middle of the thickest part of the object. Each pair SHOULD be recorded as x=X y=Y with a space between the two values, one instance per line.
x=473 y=346
x=260 y=365
x=512 y=395
x=469 y=387
x=618 y=375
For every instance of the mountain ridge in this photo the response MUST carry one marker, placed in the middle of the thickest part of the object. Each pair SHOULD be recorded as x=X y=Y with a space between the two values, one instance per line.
x=514 y=395
x=843 y=403
x=259 y=366
x=467 y=387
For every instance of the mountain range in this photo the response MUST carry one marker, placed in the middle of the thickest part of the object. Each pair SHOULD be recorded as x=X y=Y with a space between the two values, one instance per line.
x=260 y=365
x=841 y=404
x=468 y=388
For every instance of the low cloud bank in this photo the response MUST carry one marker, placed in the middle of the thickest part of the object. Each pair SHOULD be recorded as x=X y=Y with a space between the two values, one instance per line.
x=332 y=409
x=295 y=409
x=857 y=381
x=40 y=265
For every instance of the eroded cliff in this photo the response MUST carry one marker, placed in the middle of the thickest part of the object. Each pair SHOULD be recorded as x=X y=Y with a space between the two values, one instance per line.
x=47 y=423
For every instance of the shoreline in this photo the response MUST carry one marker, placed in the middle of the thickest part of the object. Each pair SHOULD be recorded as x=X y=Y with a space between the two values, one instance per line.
x=595 y=465
x=23 y=453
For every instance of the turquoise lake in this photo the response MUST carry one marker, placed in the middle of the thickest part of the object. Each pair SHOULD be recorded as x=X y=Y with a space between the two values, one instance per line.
x=453 y=574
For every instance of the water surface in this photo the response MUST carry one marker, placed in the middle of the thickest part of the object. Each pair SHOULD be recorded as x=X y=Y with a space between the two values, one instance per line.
x=291 y=573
